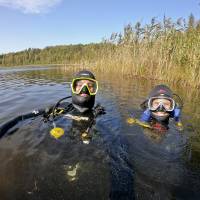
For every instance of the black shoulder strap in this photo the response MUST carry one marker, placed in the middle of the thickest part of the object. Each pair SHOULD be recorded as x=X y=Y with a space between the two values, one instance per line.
x=57 y=104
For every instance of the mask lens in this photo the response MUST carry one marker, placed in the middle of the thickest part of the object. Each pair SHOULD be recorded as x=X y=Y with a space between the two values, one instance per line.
x=92 y=86
x=167 y=103
x=79 y=84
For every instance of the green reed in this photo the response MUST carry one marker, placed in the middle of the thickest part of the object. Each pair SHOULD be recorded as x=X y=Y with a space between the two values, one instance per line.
x=162 y=50
x=165 y=50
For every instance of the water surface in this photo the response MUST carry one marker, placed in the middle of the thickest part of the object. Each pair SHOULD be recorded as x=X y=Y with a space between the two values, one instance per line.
x=121 y=161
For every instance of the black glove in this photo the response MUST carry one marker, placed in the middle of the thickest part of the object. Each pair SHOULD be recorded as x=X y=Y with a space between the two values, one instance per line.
x=47 y=113
x=99 y=110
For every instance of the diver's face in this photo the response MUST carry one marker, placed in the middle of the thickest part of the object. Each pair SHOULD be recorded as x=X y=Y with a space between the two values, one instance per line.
x=81 y=86
x=166 y=104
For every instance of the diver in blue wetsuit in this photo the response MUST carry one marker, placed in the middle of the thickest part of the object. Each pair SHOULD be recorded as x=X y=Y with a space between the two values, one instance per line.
x=160 y=107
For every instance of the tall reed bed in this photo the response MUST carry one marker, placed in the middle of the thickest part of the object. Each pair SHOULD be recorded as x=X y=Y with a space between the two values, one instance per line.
x=161 y=50
x=164 y=50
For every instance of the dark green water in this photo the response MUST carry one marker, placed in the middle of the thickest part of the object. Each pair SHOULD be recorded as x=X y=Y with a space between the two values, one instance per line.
x=121 y=161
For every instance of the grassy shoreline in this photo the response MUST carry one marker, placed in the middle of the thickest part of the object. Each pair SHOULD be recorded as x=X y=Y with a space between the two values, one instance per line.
x=166 y=50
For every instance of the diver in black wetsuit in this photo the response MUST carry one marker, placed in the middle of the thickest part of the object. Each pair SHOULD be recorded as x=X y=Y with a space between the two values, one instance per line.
x=81 y=114
x=81 y=110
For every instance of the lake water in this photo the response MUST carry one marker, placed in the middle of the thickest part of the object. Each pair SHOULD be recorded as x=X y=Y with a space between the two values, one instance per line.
x=121 y=161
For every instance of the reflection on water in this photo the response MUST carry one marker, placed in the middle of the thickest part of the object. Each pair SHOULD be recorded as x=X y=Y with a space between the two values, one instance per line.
x=122 y=162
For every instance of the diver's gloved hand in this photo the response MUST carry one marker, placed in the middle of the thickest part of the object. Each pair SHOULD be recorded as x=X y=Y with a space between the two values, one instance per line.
x=47 y=113
x=99 y=110
x=131 y=120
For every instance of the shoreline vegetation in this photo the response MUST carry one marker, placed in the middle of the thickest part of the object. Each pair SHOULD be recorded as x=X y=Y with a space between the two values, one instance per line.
x=163 y=50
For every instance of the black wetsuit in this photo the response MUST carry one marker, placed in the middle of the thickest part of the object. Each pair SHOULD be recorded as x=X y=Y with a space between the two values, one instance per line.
x=51 y=114
x=79 y=122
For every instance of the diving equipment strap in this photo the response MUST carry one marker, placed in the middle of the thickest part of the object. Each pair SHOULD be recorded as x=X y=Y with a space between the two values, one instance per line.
x=54 y=111
x=98 y=110
x=57 y=132
x=58 y=103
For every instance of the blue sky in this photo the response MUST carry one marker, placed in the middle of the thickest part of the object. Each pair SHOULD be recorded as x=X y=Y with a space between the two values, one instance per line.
x=40 y=23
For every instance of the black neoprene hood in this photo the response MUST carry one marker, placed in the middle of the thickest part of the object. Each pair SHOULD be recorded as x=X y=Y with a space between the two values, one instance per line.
x=84 y=73
x=161 y=90
x=83 y=103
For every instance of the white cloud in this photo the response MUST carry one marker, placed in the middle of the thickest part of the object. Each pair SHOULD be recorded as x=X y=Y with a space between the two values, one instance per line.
x=30 y=6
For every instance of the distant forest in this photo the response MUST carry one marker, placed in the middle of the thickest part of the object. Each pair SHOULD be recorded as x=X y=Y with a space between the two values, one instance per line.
x=166 y=49
x=63 y=54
